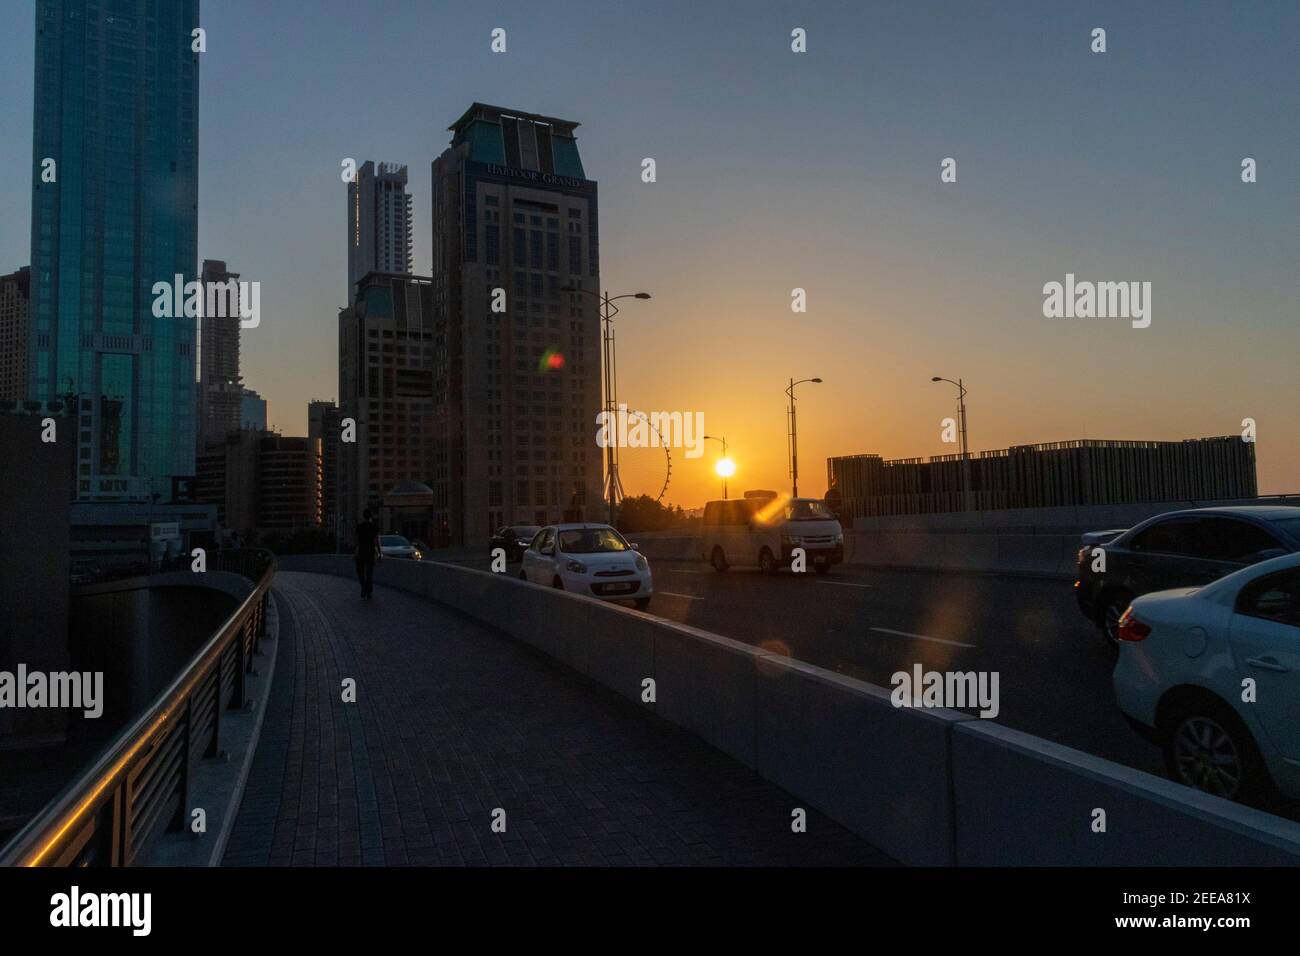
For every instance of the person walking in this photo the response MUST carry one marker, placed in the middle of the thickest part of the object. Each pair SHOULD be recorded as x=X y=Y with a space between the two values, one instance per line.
x=367 y=553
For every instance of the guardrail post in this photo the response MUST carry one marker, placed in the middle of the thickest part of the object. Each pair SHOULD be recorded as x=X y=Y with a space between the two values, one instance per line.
x=214 y=748
x=187 y=735
x=121 y=851
x=243 y=660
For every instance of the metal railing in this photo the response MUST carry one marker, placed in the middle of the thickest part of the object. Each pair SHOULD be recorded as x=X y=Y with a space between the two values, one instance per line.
x=138 y=785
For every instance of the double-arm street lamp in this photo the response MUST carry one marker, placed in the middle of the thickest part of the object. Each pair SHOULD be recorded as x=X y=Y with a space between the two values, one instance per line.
x=613 y=488
x=793 y=436
x=965 y=451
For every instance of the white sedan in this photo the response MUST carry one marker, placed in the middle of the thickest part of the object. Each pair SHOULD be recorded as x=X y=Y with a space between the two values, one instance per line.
x=591 y=559
x=396 y=546
x=1212 y=675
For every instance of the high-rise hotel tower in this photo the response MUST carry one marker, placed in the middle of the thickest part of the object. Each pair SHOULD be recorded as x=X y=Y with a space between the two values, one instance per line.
x=518 y=385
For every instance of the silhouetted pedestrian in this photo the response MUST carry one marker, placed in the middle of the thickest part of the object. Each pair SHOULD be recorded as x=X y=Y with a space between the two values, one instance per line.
x=367 y=553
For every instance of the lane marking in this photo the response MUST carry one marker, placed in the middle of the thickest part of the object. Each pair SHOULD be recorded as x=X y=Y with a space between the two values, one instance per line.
x=689 y=597
x=919 y=637
x=847 y=584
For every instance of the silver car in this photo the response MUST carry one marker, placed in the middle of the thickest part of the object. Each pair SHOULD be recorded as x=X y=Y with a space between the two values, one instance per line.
x=396 y=546
x=1212 y=675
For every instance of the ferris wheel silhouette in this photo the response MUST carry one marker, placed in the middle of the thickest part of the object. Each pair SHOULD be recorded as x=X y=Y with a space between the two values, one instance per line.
x=613 y=481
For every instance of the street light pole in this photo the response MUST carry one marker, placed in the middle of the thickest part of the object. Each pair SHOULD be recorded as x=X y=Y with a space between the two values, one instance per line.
x=724 y=455
x=965 y=448
x=613 y=487
x=793 y=436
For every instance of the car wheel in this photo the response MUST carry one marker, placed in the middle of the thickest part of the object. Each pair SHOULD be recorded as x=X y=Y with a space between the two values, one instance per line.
x=1208 y=747
x=822 y=567
x=1114 y=604
x=718 y=560
x=557 y=583
x=767 y=562
x=642 y=603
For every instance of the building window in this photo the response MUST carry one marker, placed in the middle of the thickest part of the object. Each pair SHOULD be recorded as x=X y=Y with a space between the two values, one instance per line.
x=492 y=240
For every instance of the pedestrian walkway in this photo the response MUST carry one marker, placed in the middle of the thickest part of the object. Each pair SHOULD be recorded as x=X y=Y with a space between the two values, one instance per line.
x=453 y=721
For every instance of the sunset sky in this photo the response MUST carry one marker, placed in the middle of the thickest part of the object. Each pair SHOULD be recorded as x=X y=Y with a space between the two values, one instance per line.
x=820 y=170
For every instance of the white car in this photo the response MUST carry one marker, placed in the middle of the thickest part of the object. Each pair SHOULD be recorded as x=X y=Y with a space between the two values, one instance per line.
x=396 y=546
x=1212 y=675
x=591 y=559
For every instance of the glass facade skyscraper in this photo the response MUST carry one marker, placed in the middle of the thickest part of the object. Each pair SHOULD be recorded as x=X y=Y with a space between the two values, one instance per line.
x=117 y=111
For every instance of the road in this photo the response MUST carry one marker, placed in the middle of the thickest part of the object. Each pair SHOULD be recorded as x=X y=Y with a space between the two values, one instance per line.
x=1054 y=671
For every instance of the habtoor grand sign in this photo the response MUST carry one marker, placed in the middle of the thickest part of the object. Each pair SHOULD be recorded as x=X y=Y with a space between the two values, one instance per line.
x=533 y=176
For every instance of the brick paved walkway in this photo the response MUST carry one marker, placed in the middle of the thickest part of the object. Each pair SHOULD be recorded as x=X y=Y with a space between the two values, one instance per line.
x=453 y=720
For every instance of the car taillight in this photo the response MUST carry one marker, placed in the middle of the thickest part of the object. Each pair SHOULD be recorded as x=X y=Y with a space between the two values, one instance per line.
x=1132 y=629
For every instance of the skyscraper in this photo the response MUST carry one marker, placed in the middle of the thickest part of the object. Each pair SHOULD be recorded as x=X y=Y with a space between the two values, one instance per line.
x=114 y=211
x=221 y=393
x=389 y=348
x=379 y=223
x=515 y=224
x=15 y=296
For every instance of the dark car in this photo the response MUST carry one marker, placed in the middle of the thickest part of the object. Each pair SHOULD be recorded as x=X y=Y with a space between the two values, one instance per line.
x=1176 y=550
x=513 y=539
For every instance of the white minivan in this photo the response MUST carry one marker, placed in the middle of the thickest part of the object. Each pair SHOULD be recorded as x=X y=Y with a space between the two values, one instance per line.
x=764 y=531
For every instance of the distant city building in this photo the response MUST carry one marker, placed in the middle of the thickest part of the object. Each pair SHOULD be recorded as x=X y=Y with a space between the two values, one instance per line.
x=252 y=411
x=15 y=295
x=389 y=355
x=114 y=211
x=1087 y=472
x=290 y=484
x=517 y=391
x=261 y=483
x=324 y=423
x=221 y=392
x=379 y=224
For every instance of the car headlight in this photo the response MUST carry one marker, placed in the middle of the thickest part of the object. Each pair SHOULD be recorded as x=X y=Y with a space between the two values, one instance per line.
x=839 y=538
x=642 y=564
x=790 y=540
x=577 y=567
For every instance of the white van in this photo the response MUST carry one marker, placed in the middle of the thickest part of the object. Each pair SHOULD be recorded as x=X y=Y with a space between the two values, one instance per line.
x=764 y=531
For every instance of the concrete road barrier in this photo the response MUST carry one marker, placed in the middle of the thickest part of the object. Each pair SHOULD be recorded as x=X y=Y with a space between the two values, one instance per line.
x=880 y=771
x=928 y=787
x=1023 y=801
